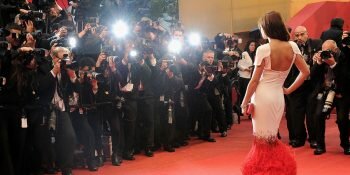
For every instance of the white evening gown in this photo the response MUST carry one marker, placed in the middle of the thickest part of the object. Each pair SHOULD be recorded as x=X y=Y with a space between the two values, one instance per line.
x=268 y=155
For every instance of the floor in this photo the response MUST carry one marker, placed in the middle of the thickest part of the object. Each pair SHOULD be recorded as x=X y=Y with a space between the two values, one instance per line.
x=226 y=156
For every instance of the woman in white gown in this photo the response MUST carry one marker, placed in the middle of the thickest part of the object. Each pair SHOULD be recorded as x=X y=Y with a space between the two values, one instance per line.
x=265 y=91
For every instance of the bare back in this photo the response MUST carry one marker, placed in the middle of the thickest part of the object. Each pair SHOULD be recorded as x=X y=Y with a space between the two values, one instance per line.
x=281 y=55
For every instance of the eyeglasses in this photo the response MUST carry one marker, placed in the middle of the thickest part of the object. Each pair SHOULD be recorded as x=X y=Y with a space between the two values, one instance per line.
x=299 y=34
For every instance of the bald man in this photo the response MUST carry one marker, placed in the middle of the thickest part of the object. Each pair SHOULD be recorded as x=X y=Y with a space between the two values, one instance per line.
x=299 y=104
x=334 y=71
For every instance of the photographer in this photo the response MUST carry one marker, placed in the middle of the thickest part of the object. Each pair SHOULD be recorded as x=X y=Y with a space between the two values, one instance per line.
x=332 y=67
x=18 y=108
x=213 y=93
x=82 y=110
x=128 y=86
x=53 y=88
x=300 y=103
x=112 y=102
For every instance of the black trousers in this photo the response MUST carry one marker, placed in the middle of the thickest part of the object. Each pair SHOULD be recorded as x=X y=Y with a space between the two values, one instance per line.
x=6 y=159
x=114 y=117
x=228 y=105
x=342 y=107
x=145 y=123
x=65 y=140
x=243 y=84
x=190 y=98
x=167 y=125
x=158 y=105
x=300 y=105
x=203 y=114
x=129 y=124
x=181 y=122
x=85 y=134
x=95 y=121
x=218 y=112
x=42 y=151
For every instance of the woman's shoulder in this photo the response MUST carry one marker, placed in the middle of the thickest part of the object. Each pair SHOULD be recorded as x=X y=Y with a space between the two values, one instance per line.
x=294 y=47
x=263 y=50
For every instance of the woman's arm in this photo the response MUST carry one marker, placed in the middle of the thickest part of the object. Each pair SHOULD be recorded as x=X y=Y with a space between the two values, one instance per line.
x=253 y=83
x=303 y=74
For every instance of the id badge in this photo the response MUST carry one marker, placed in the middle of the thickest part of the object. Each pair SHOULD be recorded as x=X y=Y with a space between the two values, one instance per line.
x=170 y=120
x=24 y=122
x=216 y=92
x=161 y=98
x=81 y=111
x=186 y=87
x=128 y=87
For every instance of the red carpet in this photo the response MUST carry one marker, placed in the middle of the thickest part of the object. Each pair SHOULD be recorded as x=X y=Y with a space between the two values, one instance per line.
x=226 y=155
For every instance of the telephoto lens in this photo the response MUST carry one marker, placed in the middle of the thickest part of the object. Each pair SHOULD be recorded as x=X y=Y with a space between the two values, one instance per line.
x=329 y=101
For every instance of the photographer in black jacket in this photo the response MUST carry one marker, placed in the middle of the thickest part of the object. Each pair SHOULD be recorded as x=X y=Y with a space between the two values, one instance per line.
x=333 y=69
x=53 y=88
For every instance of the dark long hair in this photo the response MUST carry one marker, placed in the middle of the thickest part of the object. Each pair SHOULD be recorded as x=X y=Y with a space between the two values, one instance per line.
x=251 y=54
x=273 y=26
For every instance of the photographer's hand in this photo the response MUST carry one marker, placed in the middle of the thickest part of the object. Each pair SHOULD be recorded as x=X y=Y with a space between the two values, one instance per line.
x=87 y=27
x=72 y=76
x=29 y=26
x=220 y=66
x=111 y=64
x=30 y=41
x=100 y=59
x=56 y=67
x=330 y=61
x=317 y=58
x=25 y=49
x=152 y=59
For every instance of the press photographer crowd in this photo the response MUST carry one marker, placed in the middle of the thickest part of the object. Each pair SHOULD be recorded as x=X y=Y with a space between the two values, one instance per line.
x=78 y=90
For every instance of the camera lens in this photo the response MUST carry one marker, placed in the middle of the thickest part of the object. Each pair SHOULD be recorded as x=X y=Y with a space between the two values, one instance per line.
x=326 y=54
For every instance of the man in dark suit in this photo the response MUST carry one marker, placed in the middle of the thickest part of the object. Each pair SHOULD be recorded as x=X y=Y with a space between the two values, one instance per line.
x=335 y=73
x=335 y=32
x=300 y=102
x=52 y=92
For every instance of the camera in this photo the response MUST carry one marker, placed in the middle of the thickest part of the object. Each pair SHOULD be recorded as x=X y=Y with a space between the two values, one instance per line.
x=66 y=63
x=226 y=64
x=38 y=54
x=61 y=42
x=234 y=57
x=211 y=69
x=36 y=35
x=31 y=15
x=107 y=50
x=326 y=54
x=92 y=75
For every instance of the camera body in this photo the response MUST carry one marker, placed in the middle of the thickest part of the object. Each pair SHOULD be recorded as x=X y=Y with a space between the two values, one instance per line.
x=211 y=69
x=32 y=16
x=326 y=54
x=226 y=64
